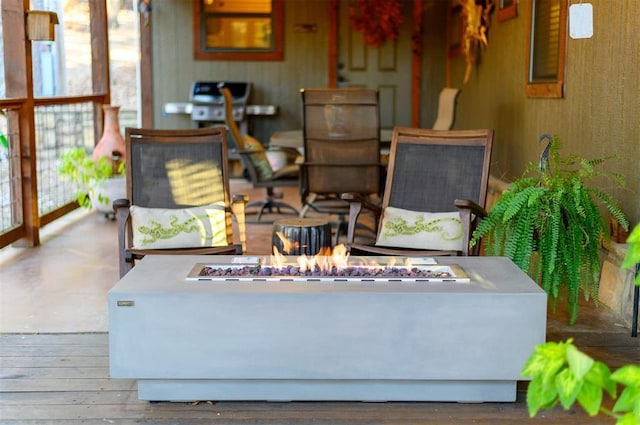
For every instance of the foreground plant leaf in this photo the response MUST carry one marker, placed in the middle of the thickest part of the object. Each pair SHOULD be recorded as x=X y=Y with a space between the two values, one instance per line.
x=567 y=387
x=590 y=398
x=540 y=396
x=561 y=373
x=579 y=362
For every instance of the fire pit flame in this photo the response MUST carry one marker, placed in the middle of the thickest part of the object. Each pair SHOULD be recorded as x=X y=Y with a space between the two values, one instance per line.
x=287 y=245
x=328 y=265
x=325 y=260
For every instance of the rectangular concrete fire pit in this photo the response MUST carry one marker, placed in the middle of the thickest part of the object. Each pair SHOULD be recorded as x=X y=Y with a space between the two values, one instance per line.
x=382 y=341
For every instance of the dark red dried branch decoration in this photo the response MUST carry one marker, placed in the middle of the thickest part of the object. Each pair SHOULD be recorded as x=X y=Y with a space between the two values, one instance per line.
x=378 y=20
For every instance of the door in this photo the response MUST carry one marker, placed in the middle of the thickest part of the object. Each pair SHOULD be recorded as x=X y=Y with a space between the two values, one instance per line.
x=386 y=68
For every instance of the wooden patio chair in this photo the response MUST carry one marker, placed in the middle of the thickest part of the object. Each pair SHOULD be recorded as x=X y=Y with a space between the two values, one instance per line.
x=178 y=198
x=253 y=156
x=434 y=194
x=341 y=133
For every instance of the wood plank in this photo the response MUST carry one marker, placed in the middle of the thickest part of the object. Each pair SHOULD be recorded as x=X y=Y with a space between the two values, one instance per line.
x=614 y=349
x=73 y=372
x=49 y=350
x=602 y=339
x=299 y=413
x=99 y=338
x=72 y=397
x=64 y=384
x=614 y=358
x=54 y=361
x=103 y=421
x=352 y=421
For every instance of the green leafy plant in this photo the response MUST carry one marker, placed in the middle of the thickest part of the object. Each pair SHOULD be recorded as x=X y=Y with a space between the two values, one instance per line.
x=549 y=223
x=561 y=373
x=78 y=166
x=633 y=253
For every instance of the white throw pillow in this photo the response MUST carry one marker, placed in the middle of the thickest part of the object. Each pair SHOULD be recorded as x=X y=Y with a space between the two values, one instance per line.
x=420 y=230
x=160 y=228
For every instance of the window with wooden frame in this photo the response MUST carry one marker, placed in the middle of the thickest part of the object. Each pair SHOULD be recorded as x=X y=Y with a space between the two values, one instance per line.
x=546 y=48
x=238 y=29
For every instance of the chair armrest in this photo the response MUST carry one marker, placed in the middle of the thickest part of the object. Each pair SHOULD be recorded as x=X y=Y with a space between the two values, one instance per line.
x=356 y=203
x=467 y=208
x=364 y=201
x=289 y=171
x=240 y=198
x=286 y=172
x=291 y=152
x=467 y=204
x=238 y=206
x=125 y=234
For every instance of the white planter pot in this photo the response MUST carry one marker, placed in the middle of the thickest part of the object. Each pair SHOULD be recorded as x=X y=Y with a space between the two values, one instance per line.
x=105 y=192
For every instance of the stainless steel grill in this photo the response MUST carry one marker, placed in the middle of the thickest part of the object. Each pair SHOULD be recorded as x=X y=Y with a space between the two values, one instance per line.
x=206 y=104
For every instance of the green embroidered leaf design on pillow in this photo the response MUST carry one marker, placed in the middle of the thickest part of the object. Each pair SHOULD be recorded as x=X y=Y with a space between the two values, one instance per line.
x=400 y=226
x=162 y=228
x=421 y=230
x=155 y=230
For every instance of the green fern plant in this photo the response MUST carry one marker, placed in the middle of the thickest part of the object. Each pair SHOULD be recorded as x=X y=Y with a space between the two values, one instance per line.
x=550 y=224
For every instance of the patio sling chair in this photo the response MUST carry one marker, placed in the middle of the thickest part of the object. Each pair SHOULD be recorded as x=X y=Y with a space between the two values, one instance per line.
x=447 y=102
x=178 y=199
x=253 y=156
x=341 y=133
x=434 y=195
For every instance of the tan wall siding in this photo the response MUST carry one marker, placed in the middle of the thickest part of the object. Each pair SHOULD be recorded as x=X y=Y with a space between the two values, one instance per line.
x=305 y=63
x=597 y=117
x=434 y=56
x=273 y=82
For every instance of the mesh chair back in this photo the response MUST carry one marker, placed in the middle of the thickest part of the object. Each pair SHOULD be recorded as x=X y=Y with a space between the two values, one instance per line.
x=177 y=168
x=341 y=130
x=429 y=169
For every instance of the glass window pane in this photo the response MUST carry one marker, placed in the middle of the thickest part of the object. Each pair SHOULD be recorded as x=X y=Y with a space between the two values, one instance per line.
x=63 y=67
x=546 y=42
x=238 y=29
x=238 y=33
x=237 y=6
x=124 y=53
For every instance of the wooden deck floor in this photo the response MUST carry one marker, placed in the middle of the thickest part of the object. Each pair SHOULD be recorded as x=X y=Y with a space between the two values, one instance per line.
x=64 y=379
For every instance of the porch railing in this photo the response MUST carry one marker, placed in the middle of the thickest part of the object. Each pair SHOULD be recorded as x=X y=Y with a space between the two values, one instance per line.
x=58 y=129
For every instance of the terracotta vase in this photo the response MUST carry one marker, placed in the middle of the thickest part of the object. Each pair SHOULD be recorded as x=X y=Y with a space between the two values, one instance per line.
x=111 y=144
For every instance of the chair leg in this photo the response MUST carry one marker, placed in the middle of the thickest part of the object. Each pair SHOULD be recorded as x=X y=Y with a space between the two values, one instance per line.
x=307 y=205
x=270 y=204
x=341 y=229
